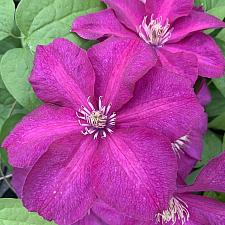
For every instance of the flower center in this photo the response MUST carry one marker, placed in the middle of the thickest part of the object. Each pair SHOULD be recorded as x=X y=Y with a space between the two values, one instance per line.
x=98 y=121
x=178 y=210
x=179 y=144
x=154 y=32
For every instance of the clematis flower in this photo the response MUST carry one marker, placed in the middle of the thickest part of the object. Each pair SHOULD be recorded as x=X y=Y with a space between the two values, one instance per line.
x=103 y=132
x=172 y=28
x=185 y=207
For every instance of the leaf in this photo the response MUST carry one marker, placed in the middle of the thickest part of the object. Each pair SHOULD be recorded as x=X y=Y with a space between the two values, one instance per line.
x=223 y=146
x=7 y=10
x=9 y=124
x=218 y=123
x=209 y=4
x=218 y=12
x=13 y=213
x=217 y=105
x=42 y=21
x=212 y=147
x=191 y=178
x=8 y=43
x=215 y=195
x=16 y=66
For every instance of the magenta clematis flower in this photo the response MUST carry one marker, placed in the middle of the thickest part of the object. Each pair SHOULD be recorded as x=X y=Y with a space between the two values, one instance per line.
x=102 y=133
x=173 y=28
x=185 y=207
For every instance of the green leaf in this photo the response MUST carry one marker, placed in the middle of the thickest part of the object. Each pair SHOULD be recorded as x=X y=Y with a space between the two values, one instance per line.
x=7 y=10
x=217 y=105
x=223 y=146
x=42 y=21
x=215 y=195
x=13 y=213
x=220 y=84
x=212 y=147
x=9 y=124
x=16 y=66
x=8 y=43
x=218 y=123
x=217 y=12
x=209 y=4
x=191 y=178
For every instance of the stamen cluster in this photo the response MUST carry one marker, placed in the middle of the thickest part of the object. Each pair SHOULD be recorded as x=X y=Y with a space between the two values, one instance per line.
x=96 y=121
x=178 y=210
x=153 y=32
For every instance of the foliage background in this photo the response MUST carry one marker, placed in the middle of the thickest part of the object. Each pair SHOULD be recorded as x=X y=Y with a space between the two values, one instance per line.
x=26 y=23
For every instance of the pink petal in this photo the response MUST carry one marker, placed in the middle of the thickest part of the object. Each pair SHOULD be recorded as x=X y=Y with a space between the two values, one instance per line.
x=119 y=63
x=111 y=216
x=90 y=219
x=183 y=64
x=210 y=58
x=163 y=101
x=129 y=12
x=134 y=171
x=32 y=136
x=18 y=179
x=211 y=177
x=100 y=24
x=203 y=210
x=58 y=186
x=203 y=93
x=171 y=9
x=62 y=74
x=195 y=21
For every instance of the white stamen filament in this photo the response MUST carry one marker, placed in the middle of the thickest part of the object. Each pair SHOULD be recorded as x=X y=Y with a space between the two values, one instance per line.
x=96 y=121
x=179 y=144
x=154 y=32
x=178 y=210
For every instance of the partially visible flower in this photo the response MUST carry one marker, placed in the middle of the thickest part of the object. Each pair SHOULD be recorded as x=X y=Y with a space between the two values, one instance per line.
x=185 y=207
x=99 y=135
x=173 y=28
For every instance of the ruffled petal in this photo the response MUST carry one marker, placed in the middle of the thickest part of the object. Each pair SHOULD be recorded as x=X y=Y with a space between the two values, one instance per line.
x=204 y=210
x=100 y=24
x=210 y=58
x=169 y=9
x=58 y=186
x=62 y=74
x=163 y=101
x=195 y=21
x=184 y=64
x=32 y=136
x=211 y=177
x=118 y=64
x=129 y=12
x=134 y=171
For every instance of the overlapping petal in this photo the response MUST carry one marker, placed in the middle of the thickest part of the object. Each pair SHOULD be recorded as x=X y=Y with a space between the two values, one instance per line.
x=119 y=63
x=32 y=136
x=62 y=188
x=195 y=21
x=129 y=12
x=203 y=93
x=100 y=24
x=204 y=210
x=211 y=177
x=171 y=9
x=184 y=64
x=210 y=58
x=90 y=219
x=62 y=74
x=130 y=173
x=163 y=101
